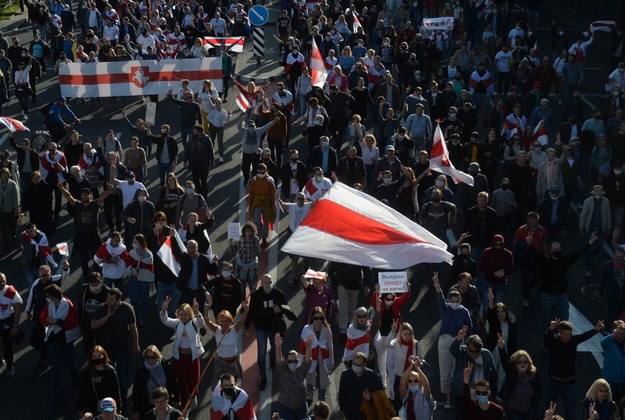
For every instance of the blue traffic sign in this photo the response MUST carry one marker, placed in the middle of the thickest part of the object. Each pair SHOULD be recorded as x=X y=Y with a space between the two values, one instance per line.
x=259 y=15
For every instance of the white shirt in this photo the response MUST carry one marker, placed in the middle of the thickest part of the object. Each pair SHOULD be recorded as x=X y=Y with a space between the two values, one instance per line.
x=297 y=214
x=502 y=60
x=129 y=191
x=110 y=32
x=6 y=304
x=219 y=25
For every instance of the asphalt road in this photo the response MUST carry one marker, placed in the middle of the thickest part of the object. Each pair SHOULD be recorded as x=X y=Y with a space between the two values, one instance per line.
x=28 y=395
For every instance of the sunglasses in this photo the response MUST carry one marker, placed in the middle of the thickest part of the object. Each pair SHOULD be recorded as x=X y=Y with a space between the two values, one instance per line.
x=151 y=357
x=361 y=316
x=481 y=393
x=318 y=318
x=498 y=245
x=292 y=362
x=473 y=351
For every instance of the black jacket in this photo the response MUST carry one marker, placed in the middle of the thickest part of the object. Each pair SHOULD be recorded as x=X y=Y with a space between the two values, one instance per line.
x=205 y=267
x=472 y=225
x=351 y=171
x=512 y=379
x=301 y=177
x=262 y=314
x=172 y=146
x=96 y=385
x=140 y=402
x=546 y=207
x=21 y=156
x=315 y=158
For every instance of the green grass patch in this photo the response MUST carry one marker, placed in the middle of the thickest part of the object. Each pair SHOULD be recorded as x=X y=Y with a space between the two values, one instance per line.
x=8 y=9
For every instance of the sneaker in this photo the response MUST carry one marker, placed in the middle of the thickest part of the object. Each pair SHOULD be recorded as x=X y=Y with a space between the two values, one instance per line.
x=220 y=160
x=24 y=116
x=447 y=404
x=10 y=371
x=526 y=303
x=263 y=384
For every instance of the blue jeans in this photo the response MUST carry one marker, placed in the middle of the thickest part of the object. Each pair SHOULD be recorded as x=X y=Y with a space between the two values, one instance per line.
x=121 y=361
x=139 y=293
x=594 y=249
x=61 y=354
x=163 y=290
x=291 y=414
x=566 y=391
x=114 y=282
x=185 y=133
x=498 y=290
x=261 y=343
x=554 y=306
x=163 y=170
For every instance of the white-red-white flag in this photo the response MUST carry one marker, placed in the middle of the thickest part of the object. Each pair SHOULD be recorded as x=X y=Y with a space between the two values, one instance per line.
x=242 y=102
x=602 y=25
x=221 y=407
x=439 y=160
x=363 y=231
x=13 y=125
x=233 y=43
x=312 y=274
x=167 y=255
x=540 y=133
x=356 y=23
x=318 y=69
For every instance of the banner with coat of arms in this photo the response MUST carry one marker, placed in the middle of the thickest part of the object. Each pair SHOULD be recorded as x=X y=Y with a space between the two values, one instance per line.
x=137 y=77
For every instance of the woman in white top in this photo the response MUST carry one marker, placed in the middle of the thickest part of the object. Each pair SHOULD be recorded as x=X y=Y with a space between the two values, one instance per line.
x=303 y=86
x=184 y=90
x=22 y=85
x=197 y=50
x=206 y=97
x=141 y=277
x=187 y=347
x=370 y=154
x=405 y=348
x=227 y=338
x=322 y=353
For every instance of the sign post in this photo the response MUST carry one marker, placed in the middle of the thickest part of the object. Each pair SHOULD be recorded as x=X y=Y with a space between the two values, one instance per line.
x=258 y=16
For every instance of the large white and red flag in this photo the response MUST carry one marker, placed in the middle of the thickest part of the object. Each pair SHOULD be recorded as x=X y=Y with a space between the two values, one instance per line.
x=540 y=133
x=601 y=25
x=166 y=254
x=318 y=69
x=13 y=125
x=354 y=228
x=241 y=408
x=233 y=43
x=439 y=160
x=137 y=77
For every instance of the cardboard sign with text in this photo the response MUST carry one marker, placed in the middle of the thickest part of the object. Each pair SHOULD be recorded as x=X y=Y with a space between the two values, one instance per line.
x=393 y=282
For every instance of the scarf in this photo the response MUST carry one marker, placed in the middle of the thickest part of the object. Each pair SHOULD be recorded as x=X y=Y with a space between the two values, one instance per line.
x=157 y=377
x=86 y=161
x=409 y=349
x=41 y=246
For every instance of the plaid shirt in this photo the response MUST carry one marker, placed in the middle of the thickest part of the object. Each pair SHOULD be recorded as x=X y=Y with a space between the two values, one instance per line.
x=248 y=250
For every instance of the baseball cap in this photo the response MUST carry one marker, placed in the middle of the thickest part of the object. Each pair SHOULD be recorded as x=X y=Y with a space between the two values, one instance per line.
x=62 y=99
x=130 y=174
x=108 y=405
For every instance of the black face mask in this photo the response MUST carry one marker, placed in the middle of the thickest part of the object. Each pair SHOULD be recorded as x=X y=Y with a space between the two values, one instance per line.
x=505 y=187
x=98 y=362
x=556 y=254
x=230 y=392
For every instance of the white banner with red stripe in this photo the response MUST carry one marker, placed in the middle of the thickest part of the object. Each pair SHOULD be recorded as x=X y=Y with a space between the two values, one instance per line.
x=439 y=23
x=233 y=43
x=137 y=77
x=363 y=231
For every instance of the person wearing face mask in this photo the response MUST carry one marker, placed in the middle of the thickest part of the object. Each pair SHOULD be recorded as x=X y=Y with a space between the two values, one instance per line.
x=294 y=373
x=228 y=399
x=552 y=211
x=227 y=336
x=225 y=291
x=438 y=215
x=453 y=317
x=93 y=293
x=321 y=349
x=166 y=150
x=524 y=258
x=611 y=287
x=153 y=374
x=61 y=326
x=480 y=359
x=415 y=393
x=318 y=185
x=357 y=385
x=293 y=65
x=596 y=216
x=266 y=312
x=251 y=142
x=521 y=374
x=480 y=407
x=111 y=257
x=140 y=263
x=260 y=205
x=97 y=378
x=495 y=265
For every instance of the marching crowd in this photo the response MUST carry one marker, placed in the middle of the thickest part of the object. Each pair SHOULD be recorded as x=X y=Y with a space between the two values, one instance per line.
x=513 y=120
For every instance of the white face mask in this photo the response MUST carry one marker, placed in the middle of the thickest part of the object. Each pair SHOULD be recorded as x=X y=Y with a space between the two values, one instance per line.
x=225 y=273
x=358 y=369
x=318 y=122
x=142 y=198
x=318 y=178
x=455 y=305
x=135 y=246
x=618 y=171
x=292 y=367
x=189 y=190
x=49 y=300
x=387 y=181
x=267 y=288
x=325 y=144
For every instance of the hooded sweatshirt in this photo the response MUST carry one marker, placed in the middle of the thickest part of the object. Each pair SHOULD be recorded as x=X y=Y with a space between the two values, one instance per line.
x=494 y=259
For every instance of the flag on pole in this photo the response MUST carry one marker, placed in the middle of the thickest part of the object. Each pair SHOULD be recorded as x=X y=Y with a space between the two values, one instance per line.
x=602 y=25
x=540 y=133
x=167 y=255
x=439 y=160
x=356 y=23
x=317 y=66
x=363 y=231
x=13 y=125
x=242 y=103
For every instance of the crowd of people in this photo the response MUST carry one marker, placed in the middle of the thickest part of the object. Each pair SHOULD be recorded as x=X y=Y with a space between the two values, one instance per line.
x=513 y=120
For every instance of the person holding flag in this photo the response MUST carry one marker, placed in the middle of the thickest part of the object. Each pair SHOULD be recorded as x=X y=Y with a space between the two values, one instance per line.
x=439 y=160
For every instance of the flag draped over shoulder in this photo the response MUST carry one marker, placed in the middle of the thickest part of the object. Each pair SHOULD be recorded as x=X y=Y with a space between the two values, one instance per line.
x=350 y=226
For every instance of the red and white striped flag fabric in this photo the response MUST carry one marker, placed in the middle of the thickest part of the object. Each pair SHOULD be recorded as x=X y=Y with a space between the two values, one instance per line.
x=363 y=231
x=318 y=69
x=602 y=25
x=13 y=125
x=233 y=43
x=439 y=160
x=312 y=274
x=357 y=341
x=242 y=102
x=137 y=77
x=241 y=408
x=356 y=23
x=320 y=349
x=167 y=255
x=540 y=133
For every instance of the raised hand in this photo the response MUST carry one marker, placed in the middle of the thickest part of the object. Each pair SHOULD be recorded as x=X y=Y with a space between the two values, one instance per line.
x=501 y=343
x=395 y=325
x=196 y=305
x=462 y=333
x=554 y=324
x=491 y=295
x=550 y=411
x=467 y=373
x=166 y=303
x=599 y=325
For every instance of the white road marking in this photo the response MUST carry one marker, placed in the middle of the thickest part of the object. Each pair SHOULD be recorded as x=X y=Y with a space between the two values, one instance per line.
x=581 y=324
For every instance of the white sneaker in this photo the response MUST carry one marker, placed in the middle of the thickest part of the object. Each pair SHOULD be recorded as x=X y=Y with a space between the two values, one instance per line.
x=24 y=116
x=220 y=160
